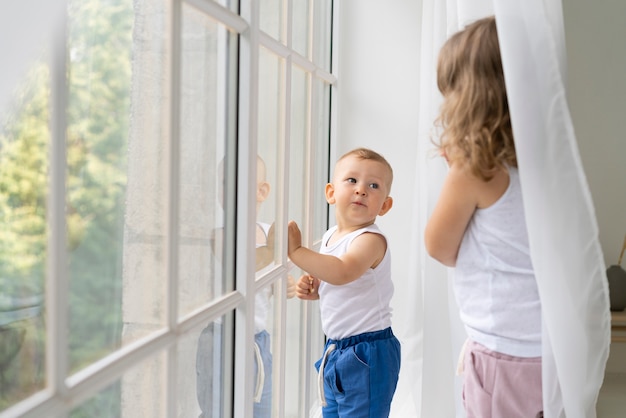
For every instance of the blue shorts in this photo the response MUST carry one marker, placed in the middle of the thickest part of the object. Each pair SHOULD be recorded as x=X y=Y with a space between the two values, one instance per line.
x=360 y=375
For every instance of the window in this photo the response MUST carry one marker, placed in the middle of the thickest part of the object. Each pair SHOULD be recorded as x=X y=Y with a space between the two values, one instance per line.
x=135 y=268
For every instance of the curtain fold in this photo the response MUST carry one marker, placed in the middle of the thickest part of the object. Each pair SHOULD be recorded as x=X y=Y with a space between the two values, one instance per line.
x=562 y=227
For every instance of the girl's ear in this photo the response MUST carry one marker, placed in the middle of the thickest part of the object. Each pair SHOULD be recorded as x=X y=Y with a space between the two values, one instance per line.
x=387 y=204
x=330 y=194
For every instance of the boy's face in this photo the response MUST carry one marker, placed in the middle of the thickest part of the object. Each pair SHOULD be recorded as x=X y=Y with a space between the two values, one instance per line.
x=360 y=190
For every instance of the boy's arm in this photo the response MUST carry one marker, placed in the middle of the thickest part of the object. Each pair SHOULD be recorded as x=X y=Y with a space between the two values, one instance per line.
x=454 y=209
x=366 y=251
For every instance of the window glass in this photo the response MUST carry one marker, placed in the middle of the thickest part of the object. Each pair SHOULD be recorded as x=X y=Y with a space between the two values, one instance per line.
x=268 y=191
x=205 y=370
x=144 y=261
x=232 y=5
x=98 y=123
x=269 y=181
x=119 y=141
x=300 y=27
x=207 y=115
x=322 y=33
x=24 y=147
x=106 y=403
x=142 y=391
x=298 y=190
x=298 y=151
x=320 y=158
x=271 y=18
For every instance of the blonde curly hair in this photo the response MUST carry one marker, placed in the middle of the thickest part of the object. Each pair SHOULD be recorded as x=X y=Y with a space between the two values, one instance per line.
x=474 y=120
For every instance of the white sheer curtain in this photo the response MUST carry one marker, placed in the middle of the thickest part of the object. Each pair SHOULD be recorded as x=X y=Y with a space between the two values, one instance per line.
x=562 y=226
x=561 y=221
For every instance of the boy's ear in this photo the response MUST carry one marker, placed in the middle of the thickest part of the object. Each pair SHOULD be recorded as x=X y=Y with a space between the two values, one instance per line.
x=387 y=204
x=330 y=194
x=262 y=191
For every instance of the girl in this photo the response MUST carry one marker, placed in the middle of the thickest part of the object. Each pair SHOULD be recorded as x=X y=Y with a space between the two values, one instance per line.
x=478 y=227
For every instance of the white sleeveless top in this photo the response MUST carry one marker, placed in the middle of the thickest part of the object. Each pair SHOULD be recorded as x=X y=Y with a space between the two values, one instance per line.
x=495 y=284
x=362 y=305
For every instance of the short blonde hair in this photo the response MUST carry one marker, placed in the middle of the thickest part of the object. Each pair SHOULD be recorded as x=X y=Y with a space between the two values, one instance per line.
x=474 y=118
x=368 y=154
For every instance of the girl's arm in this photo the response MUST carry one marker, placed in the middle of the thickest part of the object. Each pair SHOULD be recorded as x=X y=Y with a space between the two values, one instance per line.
x=365 y=251
x=454 y=209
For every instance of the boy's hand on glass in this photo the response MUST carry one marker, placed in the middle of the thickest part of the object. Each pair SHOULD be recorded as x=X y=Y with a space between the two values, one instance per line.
x=307 y=287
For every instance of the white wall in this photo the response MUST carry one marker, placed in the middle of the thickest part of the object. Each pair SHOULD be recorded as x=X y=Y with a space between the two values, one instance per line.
x=377 y=107
x=378 y=97
x=596 y=52
x=594 y=36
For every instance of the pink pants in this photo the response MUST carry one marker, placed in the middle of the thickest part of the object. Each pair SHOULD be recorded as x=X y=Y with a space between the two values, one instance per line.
x=501 y=386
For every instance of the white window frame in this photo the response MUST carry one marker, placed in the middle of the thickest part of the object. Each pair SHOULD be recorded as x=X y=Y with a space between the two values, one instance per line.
x=64 y=392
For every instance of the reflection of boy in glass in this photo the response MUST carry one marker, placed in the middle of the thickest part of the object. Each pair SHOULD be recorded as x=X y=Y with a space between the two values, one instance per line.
x=208 y=361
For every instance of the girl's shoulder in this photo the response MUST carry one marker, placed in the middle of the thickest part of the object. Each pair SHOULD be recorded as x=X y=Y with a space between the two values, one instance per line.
x=491 y=191
x=483 y=192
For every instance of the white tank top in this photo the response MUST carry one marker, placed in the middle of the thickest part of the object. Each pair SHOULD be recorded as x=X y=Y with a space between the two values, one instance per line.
x=362 y=305
x=495 y=284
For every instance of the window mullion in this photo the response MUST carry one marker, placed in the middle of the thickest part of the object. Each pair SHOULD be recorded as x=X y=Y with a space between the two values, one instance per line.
x=280 y=307
x=173 y=208
x=246 y=209
x=57 y=280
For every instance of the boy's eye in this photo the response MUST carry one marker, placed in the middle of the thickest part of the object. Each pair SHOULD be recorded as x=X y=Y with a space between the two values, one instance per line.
x=374 y=185
x=351 y=180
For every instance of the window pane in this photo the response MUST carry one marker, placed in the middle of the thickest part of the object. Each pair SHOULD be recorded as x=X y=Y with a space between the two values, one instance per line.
x=298 y=153
x=141 y=391
x=144 y=271
x=322 y=38
x=24 y=142
x=271 y=18
x=269 y=185
x=100 y=43
x=205 y=370
x=207 y=115
x=105 y=404
x=320 y=160
x=300 y=27
x=298 y=181
x=233 y=5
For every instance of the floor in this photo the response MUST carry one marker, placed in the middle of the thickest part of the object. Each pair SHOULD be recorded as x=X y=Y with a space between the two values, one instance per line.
x=612 y=398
